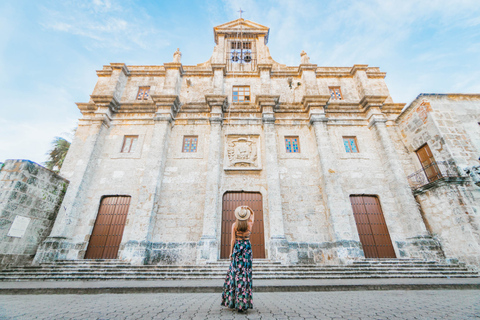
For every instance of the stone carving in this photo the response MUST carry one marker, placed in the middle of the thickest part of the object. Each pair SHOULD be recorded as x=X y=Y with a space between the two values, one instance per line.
x=177 y=56
x=242 y=153
x=304 y=59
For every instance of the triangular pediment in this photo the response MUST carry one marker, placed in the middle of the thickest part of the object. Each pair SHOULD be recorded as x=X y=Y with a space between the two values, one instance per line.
x=240 y=25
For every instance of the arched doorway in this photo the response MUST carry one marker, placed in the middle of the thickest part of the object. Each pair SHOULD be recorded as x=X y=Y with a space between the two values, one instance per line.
x=108 y=230
x=231 y=200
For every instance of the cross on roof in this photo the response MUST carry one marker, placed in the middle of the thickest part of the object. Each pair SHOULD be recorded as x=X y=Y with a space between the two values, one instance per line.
x=241 y=11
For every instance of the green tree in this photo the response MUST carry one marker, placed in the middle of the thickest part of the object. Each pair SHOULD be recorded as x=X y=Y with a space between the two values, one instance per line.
x=57 y=155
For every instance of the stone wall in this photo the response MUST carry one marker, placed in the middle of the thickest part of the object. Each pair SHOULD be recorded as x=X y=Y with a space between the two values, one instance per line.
x=30 y=196
x=450 y=210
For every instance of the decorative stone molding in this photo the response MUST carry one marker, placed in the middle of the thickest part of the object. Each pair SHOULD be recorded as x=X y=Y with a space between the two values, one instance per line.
x=167 y=106
x=242 y=152
x=369 y=101
x=174 y=65
x=106 y=101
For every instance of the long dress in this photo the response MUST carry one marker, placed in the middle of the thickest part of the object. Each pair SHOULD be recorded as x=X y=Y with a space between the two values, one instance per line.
x=237 y=289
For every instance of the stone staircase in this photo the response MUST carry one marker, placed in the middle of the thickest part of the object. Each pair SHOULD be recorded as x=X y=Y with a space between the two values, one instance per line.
x=91 y=270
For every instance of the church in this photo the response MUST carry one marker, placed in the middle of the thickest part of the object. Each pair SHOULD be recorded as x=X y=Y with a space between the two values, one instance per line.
x=333 y=168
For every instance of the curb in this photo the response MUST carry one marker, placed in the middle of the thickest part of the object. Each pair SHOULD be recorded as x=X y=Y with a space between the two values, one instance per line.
x=218 y=289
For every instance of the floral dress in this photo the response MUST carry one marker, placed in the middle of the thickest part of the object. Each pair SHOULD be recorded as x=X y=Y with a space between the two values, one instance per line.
x=237 y=290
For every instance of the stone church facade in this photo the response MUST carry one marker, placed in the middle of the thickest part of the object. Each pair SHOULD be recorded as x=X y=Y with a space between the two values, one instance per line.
x=163 y=155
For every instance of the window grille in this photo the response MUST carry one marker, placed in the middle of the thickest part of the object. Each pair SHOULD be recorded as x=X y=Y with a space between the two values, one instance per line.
x=335 y=93
x=292 y=144
x=143 y=93
x=190 y=144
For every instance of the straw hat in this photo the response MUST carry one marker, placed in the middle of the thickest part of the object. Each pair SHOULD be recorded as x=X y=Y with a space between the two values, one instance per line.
x=242 y=213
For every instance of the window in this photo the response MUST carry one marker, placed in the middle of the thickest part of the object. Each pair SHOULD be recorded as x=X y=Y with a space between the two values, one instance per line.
x=129 y=143
x=335 y=93
x=428 y=162
x=350 y=144
x=241 y=94
x=143 y=93
x=190 y=144
x=292 y=144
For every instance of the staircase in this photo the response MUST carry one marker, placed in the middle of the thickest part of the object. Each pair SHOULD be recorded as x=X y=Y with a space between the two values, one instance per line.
x=89 y=270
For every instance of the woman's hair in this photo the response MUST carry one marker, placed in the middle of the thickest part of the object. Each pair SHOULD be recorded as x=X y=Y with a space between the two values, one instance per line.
x=242 y=225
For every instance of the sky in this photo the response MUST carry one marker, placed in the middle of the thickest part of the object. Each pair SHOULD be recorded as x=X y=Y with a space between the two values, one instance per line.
x=50 y=50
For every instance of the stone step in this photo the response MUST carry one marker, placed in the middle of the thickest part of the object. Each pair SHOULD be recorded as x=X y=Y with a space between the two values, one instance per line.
x=262 y=269
x=173 y=277
x=299 y=268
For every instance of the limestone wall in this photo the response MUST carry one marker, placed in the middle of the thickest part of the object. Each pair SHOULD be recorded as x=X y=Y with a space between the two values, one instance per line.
x=30 y=196
x=451 y=213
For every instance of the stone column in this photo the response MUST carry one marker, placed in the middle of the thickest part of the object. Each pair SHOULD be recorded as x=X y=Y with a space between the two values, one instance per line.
x=208 y=245
x=397 y=180
x=278 y=246
x=345 y=237
x=137 y=249
x=88 y=143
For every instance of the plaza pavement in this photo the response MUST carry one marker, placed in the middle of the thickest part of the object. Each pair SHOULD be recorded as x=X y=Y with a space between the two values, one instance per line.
x=391 y=304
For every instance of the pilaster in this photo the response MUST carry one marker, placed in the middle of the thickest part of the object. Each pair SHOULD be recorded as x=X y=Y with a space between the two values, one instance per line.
x=219 y=70
x=345 y=237
x=308 y=72
x=137 y=249
x=397 y=179
x=173 y=77
x=207 y=248
x=278 y=246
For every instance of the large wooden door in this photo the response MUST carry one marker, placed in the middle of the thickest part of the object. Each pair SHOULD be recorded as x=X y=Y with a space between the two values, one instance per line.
x=428 y=163
x=232 y=200
x=371 y=227
x=108 y=230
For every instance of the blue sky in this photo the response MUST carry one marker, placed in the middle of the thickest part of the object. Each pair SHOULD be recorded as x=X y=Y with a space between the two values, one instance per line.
x=49 y=50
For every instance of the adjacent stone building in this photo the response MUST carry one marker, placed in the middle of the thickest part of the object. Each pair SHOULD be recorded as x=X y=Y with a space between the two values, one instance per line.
x=442 y=133
x=163 y=155
x=30 y=196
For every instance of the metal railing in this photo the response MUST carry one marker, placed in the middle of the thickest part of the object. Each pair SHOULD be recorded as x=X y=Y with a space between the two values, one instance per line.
x=433 y=172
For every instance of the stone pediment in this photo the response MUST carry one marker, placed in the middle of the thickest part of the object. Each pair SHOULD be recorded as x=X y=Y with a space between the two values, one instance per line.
x=245 y=26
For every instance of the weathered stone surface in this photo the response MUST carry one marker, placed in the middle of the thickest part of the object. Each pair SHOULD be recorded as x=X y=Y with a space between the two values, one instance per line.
x=32 y=194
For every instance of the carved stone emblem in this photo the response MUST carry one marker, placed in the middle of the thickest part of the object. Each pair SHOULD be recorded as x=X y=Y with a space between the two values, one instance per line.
x=242 y=152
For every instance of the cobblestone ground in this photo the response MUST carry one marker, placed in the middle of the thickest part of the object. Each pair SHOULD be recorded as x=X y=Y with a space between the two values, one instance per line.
x=436 y=304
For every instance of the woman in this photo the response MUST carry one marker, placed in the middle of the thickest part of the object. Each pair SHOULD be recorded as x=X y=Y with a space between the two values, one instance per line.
x=237 y=290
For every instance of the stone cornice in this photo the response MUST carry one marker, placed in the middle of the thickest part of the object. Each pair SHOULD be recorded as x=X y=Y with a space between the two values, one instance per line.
x=108 y=69
x=307 y=67
x=369 y=101
x=267 y=100
x=121 y=66
x=175 y=66
x=138 y=107
x=222 y=66
x=167 y=106
x=358 y=67
x=309 y=101
x=195 y=107
x=108 y=101
x=214 y=100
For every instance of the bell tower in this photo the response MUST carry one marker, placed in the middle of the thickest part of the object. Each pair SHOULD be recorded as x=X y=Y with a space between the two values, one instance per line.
x=241 y=45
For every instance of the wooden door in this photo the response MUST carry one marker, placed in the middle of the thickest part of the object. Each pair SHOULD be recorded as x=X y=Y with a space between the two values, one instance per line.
x=371 y=227
x=108 y=229
x=428 y=163
x=232 y=200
